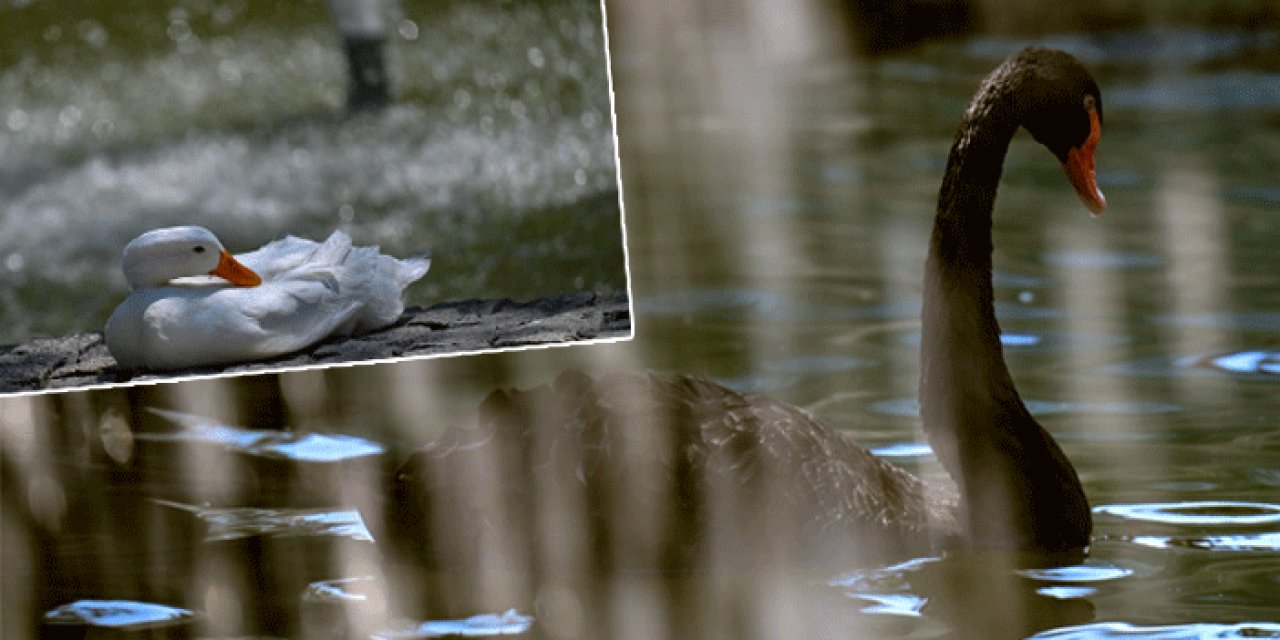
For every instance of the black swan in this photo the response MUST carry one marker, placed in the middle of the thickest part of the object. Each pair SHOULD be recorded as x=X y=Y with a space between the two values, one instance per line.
x=656 y=463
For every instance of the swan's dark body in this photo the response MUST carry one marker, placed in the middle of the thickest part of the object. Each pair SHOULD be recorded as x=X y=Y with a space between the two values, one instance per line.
x=701 y=461
x=651 y=472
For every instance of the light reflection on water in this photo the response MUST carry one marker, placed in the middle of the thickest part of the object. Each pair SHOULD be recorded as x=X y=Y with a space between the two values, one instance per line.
x=1268 y=542
x=225 y=524
x=1097 y=260
x=910 y=407
x=1092 y=572
x=886 y=590
x=1064 y=593
x=1206 y=631
x=1248 y=362
x=118 y=614
x=1019 y=340
x=508 y=623
x=340 y=590
x=1207 y=513
x=903 y=450
x=1026 y=342
x=301 y=447
x=320 y=447
x=894 y=604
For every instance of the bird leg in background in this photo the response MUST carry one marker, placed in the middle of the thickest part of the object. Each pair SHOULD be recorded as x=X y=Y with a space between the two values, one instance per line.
x=363 y=27
x=367 y=86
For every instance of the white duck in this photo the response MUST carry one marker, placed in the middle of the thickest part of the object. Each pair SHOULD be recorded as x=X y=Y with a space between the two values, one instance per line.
x=193 y=304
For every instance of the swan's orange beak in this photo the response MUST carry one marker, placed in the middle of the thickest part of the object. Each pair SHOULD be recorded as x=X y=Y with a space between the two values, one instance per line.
x=1081 y=169
x=237 y=273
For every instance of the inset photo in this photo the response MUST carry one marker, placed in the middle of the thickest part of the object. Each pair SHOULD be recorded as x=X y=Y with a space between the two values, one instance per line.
x=195 y=189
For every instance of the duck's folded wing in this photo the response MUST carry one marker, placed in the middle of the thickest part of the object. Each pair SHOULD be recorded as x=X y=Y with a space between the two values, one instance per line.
x=294 y=257
x=295 y=315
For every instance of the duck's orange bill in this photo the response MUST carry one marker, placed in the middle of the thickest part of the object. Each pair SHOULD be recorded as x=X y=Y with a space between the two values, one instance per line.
x=1081 y=169
x=237 y=273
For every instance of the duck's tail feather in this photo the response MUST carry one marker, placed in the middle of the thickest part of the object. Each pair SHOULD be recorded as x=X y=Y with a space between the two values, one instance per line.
x=335 y=249
x=413 y=268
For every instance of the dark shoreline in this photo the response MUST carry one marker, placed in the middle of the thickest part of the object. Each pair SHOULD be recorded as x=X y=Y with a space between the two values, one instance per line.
x=447 y=328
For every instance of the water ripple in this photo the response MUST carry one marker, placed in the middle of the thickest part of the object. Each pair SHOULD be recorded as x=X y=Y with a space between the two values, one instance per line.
x=1019 y=339
x=1196 y=513
x=1244 y=321
x=340 y=590
x=1159 y=45
x=714 y=303
x=1264 y=196
x=1102 y=259
x=1201 y=93
x=867 y=578
x=117 y=614
x=508 y=623
x=1249 y=364
x=1258 y=362
x=235 y=523
x=1042 y=340
x=910 y=407
x=894 y=604
x=1066 y=593
x=885 y=589
x=738 y=303
x=1078 y=573
x=301 y=447
x=1005 y=279
x=904 y=450
x=1194 y=631
x=1240 y=542
x=819 y=364
x=315 y=447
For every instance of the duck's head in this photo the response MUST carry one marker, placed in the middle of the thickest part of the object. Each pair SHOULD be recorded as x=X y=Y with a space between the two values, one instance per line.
x=158 y=256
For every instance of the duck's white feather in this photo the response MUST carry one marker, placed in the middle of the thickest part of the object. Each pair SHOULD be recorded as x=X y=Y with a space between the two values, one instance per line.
x=310 y=291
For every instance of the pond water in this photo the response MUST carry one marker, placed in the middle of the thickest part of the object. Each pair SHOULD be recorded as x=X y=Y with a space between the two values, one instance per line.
x=1145 y=340
x=777 y=220
x=498 y=158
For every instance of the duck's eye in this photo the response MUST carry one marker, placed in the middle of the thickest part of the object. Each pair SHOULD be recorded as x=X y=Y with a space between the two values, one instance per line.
x=1090 y=104
x=198 y=249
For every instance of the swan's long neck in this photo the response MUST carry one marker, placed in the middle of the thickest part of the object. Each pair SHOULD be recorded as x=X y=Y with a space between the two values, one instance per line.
x=1017 y=488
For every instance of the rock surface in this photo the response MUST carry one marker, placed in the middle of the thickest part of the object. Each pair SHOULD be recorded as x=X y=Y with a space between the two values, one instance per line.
x=449 y=327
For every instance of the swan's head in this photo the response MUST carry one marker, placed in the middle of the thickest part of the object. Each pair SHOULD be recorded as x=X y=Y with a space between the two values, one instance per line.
x=158 y=256
x=1062 y=108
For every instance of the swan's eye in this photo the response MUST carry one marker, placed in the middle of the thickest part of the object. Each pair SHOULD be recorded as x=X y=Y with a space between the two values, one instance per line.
x=198 y=249
x=1090 y=104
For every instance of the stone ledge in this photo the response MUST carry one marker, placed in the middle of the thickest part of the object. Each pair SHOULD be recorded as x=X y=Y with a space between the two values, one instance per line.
x=449 y=327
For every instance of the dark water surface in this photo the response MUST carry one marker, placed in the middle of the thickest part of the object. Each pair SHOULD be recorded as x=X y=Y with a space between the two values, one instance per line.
x=777 y=217
x=1145 y=340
